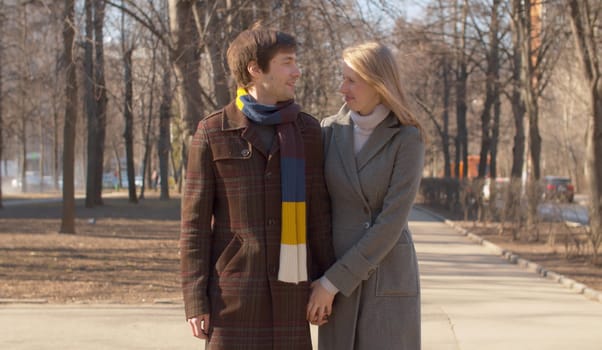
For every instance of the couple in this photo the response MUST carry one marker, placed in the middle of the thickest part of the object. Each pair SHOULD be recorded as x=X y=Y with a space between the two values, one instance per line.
x=280 y=216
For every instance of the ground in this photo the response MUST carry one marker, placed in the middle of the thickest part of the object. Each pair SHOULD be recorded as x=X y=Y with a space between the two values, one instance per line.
x=128 y=253
x=121 y=253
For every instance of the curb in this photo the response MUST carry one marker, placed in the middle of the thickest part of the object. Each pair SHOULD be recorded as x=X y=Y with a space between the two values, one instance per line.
x=22 y=301
x=513 y=258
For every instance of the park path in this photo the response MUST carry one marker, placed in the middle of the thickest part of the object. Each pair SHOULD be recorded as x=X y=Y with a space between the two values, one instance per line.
x=471 y=299
x=474 y=300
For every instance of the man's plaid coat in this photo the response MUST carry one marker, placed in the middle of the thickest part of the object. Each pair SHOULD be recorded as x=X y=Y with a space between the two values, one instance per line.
x=230 y=234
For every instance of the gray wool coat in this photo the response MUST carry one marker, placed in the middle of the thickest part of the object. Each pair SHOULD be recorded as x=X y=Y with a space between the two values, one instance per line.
x=378 y=306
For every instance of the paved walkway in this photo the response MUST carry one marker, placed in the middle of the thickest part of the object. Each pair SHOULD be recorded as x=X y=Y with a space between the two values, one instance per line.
x=472 y=299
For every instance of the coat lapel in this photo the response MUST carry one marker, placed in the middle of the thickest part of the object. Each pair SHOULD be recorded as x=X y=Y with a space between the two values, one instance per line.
x=343 y=135
x=377 y=140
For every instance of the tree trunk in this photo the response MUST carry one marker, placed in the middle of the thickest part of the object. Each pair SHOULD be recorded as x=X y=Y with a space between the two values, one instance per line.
x=24 y=184
x=100 y=92
x=55 y=137
x=164 y=142
x=529 y=88
x=446 y=106
x=586 y=38
x=491 y=91
x=495 y=135
x=461 y=88
x=68 y=213
x=518 y=106
x=128 y=133
x=216 y=49
x=90 y=104
x=149 y=123
x=1 y=94
x=185 y=59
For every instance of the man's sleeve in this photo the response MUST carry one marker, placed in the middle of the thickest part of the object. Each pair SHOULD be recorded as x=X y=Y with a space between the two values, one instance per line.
x=195 y=234
x=319 y=216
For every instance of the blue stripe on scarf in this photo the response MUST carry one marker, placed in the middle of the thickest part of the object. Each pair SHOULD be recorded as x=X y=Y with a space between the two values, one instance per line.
x=293 y=179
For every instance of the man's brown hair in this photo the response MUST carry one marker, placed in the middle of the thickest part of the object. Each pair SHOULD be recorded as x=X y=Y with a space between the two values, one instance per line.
x=259 y=44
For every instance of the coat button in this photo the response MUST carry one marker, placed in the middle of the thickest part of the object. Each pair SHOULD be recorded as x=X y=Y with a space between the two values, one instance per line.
x=268 y=174
x=245 y=152
x=271 y=222
x=367 y=224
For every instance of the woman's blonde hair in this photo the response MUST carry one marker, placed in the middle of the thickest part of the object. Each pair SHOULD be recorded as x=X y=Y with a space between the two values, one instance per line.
x=375 y=64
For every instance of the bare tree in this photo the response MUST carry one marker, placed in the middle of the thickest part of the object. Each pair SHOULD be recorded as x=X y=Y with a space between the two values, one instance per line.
x=68 y=213
x=489 y=129
x=127 y=47
x=95 y=99
x=90 y=103
x=461 y=85
x=146 y=168
x=1 y=93
x=585 y=17
x=163 y=146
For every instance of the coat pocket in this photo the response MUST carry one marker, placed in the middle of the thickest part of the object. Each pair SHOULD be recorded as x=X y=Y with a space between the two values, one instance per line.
x=397 y=274
x=231 y=259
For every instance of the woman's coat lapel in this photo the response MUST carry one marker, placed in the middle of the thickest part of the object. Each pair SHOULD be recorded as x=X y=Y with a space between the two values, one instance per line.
x=343 y=135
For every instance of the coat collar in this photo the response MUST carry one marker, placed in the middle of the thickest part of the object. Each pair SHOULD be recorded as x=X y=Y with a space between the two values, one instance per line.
x=234 y=119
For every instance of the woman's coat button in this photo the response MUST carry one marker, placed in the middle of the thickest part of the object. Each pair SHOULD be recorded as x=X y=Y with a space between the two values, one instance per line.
x=245 y=152
x=367 y=224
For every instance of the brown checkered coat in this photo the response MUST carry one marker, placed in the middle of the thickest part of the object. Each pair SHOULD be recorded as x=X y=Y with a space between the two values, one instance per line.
x=230 y=265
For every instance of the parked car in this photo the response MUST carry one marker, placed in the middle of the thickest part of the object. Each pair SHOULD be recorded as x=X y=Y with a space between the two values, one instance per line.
x=558 y=188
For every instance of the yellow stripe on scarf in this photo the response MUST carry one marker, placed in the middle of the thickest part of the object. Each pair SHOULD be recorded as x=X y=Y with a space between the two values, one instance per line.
x=240 y=92
x=293 y=223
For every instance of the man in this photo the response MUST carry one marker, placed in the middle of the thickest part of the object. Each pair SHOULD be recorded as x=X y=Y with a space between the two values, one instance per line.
x=254 y=196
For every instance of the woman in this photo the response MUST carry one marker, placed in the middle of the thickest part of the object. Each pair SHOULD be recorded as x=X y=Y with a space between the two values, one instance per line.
x=374 y=156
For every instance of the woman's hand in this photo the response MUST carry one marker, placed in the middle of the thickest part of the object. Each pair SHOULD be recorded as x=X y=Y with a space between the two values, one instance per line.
x=319 y=306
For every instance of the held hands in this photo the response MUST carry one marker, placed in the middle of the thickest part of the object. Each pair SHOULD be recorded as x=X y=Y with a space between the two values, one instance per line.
x=200 y=326
x=319 y=306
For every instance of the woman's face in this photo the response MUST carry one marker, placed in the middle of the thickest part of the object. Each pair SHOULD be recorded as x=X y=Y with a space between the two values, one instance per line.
x=359 y=96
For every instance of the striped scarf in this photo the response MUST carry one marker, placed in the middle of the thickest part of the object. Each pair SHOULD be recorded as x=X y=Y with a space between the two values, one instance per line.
x=293 y=257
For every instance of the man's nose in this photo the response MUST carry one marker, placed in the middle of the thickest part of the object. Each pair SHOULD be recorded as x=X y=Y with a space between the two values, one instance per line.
x=297 y=71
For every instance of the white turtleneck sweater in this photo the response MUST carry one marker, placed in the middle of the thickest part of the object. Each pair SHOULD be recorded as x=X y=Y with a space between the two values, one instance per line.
x=365 y=124
x=362 y=129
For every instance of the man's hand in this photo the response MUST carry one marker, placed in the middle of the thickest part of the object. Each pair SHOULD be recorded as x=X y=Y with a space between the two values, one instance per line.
x=200 y=326
x=319 y=306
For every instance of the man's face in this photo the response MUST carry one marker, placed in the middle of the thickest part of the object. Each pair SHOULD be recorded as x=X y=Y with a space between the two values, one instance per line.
x=278 y=82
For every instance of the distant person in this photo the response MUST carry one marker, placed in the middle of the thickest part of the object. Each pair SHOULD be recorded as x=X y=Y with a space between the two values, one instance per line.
x=255 y=210
x=374 y=153
x=155 y=179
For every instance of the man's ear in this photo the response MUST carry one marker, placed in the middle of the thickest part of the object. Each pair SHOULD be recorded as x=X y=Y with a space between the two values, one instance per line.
x=253 y=69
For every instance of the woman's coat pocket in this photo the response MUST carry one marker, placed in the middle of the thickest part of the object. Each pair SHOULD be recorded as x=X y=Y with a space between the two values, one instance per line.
x=397 y=274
